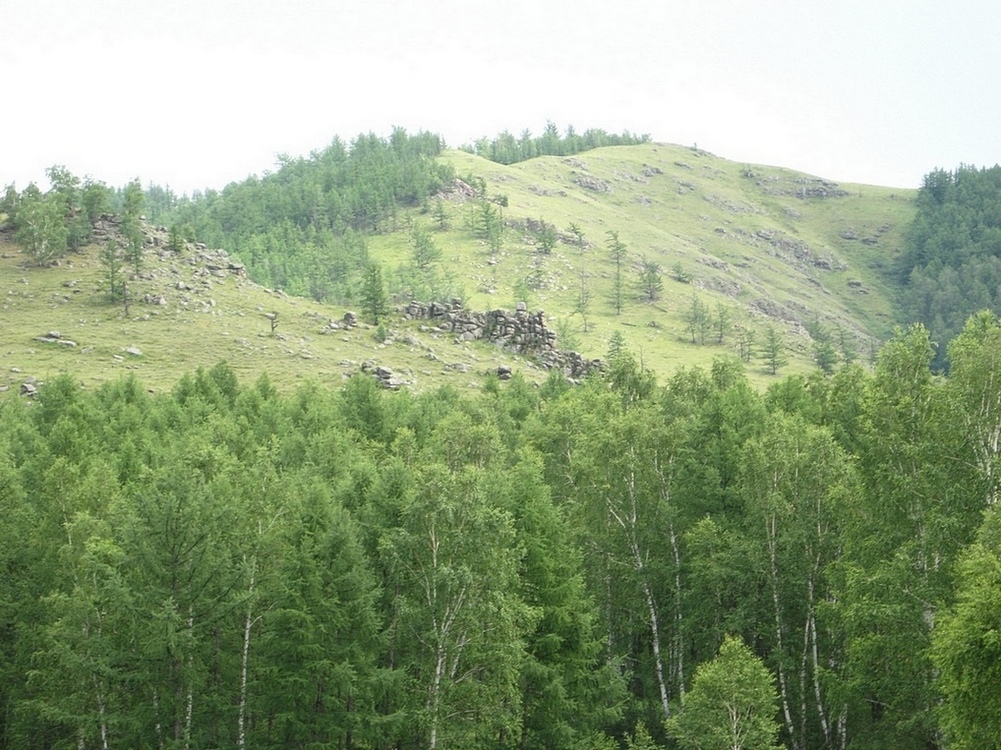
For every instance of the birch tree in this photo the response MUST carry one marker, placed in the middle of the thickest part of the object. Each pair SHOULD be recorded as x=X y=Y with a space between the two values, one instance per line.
x=731 y=705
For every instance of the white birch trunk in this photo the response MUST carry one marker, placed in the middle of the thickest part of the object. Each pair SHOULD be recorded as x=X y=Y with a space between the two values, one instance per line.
x=190 y=699
x=628 y=523
x=157 y=727
x=771 y=530
x=248 y=623
x=679 y=637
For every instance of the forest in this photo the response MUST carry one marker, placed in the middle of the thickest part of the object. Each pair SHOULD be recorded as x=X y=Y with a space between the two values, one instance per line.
x=617 y=564
x=951 y=264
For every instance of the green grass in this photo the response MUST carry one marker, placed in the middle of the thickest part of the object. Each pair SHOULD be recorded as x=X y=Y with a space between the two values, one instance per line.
x=736 y=229
x=201 y=327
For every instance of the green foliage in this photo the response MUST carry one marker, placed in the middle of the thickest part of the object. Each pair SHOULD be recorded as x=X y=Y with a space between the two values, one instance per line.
x=545 y=237
x=773 y=351
x=825 y=354
x=440 y=214
x=731 y=705
x=506 y=149
x=424 y=252
x=132 y=206
x=679 y=274
x=951 y=262
x=175 y=242
x=698 y=320
x=617 y=252
x=578 y=236
x=651 y=281
x=220 y=565
x=111 y=264
x=374 y=302
x=745 y=343
x=301 y=228
x=41 y=229
x=966 y=647
x=722 y=322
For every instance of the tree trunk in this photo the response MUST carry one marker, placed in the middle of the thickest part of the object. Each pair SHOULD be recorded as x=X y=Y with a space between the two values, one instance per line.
x=771 y=530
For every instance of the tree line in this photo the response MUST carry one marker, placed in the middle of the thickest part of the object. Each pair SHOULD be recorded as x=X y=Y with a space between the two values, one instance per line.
x=951 y=261
x=505 y=148
x=593 y=566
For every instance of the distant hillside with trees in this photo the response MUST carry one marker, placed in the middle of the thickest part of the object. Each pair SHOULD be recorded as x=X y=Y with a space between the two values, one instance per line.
x=505 y=148
x=302 y=228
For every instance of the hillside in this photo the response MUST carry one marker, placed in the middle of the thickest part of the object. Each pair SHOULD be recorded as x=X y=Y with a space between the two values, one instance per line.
x=773 y=245
x=769 y=246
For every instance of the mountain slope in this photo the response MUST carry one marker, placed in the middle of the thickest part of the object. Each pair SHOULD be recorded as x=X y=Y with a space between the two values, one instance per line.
x=771 y=246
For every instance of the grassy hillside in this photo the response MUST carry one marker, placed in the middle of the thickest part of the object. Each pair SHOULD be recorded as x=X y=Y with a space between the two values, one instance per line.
x=197 y=314
x=775 y=247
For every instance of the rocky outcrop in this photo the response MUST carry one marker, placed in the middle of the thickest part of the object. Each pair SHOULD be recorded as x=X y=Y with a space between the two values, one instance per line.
x=520 y=331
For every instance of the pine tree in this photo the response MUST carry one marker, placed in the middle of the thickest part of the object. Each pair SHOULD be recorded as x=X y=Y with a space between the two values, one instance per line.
x=651 y=281
x=374 y=302
x=772 y=351
x=617 y=251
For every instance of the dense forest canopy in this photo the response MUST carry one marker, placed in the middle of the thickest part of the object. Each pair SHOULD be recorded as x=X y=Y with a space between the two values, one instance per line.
x=951 y=265
x=593 y=566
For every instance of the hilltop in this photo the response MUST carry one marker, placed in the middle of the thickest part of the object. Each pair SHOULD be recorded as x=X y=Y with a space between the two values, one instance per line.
x=763 y=245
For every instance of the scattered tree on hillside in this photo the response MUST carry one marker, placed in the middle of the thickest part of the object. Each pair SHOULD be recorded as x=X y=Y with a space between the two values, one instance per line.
x=374 y=301
x=132 y=204
x=578 y=236
x=9 y=203
x=825 y=356
x=440 y=214
x=847 y=349
x=697 y=320
x=41 y=227
x=545 y=237
x=651 y=281
x=487 y=226
x=583 y=304
x=111 y=265
x=617 y=251
x=175 y=242
x=616 y=345
x=722 y=322
x=679 y=274
x=745 y=343
x=424 y=253
x=95 y=199
x=772 y=350
x=66 y=190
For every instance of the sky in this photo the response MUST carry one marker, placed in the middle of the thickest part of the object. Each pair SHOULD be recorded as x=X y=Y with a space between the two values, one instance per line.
x=195 y=94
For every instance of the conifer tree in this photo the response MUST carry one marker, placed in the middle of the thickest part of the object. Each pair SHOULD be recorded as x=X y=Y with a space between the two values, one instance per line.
x=373 y=298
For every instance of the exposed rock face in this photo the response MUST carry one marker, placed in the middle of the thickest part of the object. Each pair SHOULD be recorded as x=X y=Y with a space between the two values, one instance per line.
x=519 y=331
x=55 y=337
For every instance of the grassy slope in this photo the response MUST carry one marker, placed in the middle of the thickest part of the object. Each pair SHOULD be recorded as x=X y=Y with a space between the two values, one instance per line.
x=217 y=319
x=736 y=229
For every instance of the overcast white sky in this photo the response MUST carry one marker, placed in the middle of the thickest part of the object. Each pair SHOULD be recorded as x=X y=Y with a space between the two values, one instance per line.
x=198 y=93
